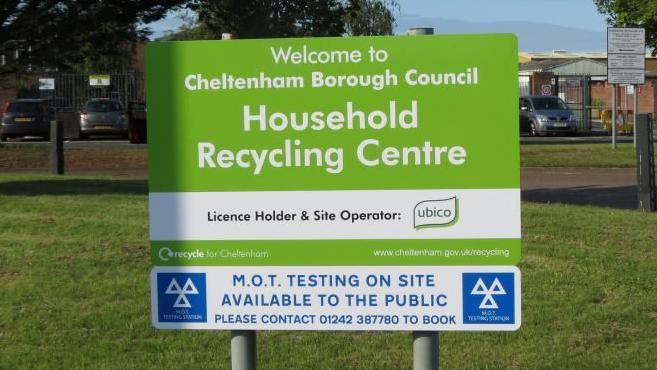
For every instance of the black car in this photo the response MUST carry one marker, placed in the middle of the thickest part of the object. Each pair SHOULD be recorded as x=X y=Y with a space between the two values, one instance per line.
x=540 y=115
x=25 y=117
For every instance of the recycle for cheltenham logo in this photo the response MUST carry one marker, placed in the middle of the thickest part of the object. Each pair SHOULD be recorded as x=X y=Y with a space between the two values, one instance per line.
x=181 y=297
x=488 y=298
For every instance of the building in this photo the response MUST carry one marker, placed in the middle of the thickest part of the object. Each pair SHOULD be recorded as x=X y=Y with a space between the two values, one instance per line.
x=580 y=79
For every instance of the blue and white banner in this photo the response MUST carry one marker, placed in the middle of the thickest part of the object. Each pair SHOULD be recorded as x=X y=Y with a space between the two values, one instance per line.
x=442 y=298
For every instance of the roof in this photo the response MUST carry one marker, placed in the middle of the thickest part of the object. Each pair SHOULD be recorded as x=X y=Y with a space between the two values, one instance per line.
x=542 y=65
x=580 y=65
x=564 y=54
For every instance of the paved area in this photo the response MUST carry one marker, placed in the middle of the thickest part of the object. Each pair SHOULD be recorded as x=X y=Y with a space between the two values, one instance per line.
x=605 y=187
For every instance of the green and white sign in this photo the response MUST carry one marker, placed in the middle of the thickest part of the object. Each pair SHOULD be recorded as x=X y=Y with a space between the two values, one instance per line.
x=372 y=151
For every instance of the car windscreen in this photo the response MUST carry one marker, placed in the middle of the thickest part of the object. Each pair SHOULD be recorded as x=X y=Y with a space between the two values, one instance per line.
x=24 y=107
x=549 y=103
x=103 y=106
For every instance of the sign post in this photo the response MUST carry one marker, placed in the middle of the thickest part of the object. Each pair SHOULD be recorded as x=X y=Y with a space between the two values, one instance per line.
x=335 y=184
x=626 y=64
x=426 y=344
x=613 y=114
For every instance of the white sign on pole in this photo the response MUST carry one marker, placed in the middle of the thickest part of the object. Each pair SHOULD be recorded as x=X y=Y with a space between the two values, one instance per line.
x=99 y=80
x=626 y=41
x=627 y=61
x=46 y=84
x=626 y=48
x=446 y=298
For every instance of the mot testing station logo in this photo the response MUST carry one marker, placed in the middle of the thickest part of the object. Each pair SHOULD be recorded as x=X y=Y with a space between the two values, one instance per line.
x=488 y=298
x=181 y=297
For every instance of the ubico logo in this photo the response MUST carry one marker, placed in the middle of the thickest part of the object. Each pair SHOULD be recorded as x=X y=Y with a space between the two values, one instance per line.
x=436 y=213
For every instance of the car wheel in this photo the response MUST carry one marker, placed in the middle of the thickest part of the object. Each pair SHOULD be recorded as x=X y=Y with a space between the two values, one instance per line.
x=532 y=129
x=84 y=136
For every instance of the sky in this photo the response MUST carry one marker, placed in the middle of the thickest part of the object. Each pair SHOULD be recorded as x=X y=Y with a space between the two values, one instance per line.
x=580 y=14
x=566 y=13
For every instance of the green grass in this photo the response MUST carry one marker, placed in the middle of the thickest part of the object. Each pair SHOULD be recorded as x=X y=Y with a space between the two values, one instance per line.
x=74 y=266
x=577 y=155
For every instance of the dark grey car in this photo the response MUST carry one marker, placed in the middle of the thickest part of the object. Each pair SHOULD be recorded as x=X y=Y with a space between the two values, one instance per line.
x=25 y=117
x=103 y=117
x=540 y=115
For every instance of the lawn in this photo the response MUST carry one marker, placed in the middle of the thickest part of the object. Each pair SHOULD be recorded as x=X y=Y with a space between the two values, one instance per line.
x=577 y=155
x=74 y=284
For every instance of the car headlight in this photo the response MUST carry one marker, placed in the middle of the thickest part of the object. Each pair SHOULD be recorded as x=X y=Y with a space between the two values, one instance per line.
x=541 y=117
x=573 y=117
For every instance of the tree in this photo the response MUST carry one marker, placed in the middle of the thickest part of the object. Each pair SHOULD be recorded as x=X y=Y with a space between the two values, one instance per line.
x=371 y=17
x=632 y=13
x=75 y=34
x=288 y=18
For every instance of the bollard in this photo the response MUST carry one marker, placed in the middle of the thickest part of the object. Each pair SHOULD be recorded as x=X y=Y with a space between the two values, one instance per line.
x=56 y=147
x=645 y=163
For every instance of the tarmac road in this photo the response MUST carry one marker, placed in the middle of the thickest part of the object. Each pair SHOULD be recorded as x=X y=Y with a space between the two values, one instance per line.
x=94 y=143
x=605 y=187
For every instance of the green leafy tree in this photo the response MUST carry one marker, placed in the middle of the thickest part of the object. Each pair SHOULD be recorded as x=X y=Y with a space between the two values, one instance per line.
x=632 y=13
x=75 y=34
x=287 y=18
x=371 y=17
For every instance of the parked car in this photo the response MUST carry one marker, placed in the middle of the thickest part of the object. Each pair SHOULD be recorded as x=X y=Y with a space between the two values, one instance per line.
x=25 y=117
x=103 y=117
x=541 y=115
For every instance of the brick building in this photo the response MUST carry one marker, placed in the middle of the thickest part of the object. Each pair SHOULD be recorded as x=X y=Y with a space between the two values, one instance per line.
x=580 y=78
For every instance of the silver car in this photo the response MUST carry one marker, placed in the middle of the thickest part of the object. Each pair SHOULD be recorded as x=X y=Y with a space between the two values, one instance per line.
x=103 y=117
x=541 y=115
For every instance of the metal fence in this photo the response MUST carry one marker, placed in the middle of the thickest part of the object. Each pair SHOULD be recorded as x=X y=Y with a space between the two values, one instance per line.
x=575 y=90
x=72 y=90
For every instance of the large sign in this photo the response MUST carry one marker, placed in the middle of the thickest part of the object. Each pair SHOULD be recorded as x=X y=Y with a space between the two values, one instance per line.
x=626 y=55
x=331 y=152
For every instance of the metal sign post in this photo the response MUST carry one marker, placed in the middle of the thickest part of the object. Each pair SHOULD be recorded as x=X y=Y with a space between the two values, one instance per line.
x=426 y=346
x=426 y=354
x=243 y=345
x=636 y=112
x=243 y=350
x=613 y=116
